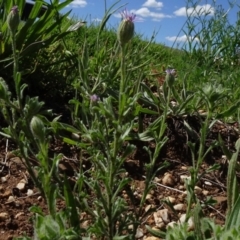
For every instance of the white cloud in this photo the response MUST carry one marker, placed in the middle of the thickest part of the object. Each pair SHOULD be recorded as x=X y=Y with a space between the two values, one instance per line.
x=78 y=3
x=182 y=38
x=96 y=20
x=196 y=11
x=145 y=12
x=153 y=4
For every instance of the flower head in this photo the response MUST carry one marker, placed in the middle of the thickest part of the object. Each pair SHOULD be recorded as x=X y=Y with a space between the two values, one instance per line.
x=128 y=16
x=171 y=71
x=170 y=76
x=126 y=27
x=13 y=19
x=94 y=98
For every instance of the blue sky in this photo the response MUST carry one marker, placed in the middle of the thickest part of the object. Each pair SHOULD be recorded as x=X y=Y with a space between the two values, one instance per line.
x=167 y=17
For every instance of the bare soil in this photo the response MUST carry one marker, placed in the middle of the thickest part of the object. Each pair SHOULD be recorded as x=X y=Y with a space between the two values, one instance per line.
x=16 y=218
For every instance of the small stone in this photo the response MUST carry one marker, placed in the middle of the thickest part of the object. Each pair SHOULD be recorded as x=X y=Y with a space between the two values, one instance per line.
x=157 y=180
x=29 y=192
x=179 y=207
x=19 y=214
x=152 y=192
x=3 y=179
x=181 y=187
x=148 y=196
x=174 y=103
x=21 y=186
x=164 y=215
x=148 y=207
x=39 y=198
x=3 y=216
x=205 y=192
x=182 y=218
x=171 y=224
x=184 y=178
x=125 y=196
x=168 y=180
x=139 y=233
x=17 y=203
x=23 y=180
x=130 y=227
x=10 y=199
x=85 y=224
x=161 y=217
x=171 y=199
x=208 y=183
x=184 y=168
x=197 y=190
x=135 y=193
x=16 y=160
x=190 y=222
x=185 y=193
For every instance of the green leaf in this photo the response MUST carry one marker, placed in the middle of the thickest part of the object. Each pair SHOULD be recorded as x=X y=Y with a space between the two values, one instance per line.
x=4 y=93
x=71 y=204
x=126 y=237
x=233 y=219
x=156 y=233
x=232 y=186
x=230 y=111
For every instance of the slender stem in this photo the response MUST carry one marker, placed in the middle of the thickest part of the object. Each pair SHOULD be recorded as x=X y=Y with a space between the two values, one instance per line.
x=122 y=83
x=15 y=69
x=114 y=156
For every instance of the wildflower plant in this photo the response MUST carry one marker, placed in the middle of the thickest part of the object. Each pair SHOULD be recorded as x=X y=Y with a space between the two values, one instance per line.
x=106 y=120
x=29 y=129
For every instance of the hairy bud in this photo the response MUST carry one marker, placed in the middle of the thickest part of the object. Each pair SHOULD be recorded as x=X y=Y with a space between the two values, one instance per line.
x=13 y=19
x=126 y=28
x=37 y=128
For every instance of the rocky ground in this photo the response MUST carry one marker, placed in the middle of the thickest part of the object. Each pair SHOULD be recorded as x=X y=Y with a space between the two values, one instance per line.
x=18 y=194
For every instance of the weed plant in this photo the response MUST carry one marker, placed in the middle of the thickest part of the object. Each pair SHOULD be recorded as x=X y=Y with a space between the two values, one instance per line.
x=109 y=97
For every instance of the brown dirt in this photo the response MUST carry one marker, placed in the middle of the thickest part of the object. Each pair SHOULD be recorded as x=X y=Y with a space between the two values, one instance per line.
x=16 y=219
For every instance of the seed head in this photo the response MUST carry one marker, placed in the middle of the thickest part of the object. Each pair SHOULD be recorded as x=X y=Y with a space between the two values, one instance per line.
x=13 y=19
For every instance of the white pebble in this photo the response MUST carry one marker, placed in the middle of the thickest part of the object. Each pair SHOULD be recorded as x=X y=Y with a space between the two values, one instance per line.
x=168 y=180
x=179 y=207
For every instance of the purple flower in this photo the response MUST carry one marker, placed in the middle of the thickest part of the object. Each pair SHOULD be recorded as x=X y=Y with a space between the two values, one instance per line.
x=126 y=28
x=94 y=98
x=14 y=9
x=171 y=71
x=170 y=76
x=128 y=16
x=13 y=19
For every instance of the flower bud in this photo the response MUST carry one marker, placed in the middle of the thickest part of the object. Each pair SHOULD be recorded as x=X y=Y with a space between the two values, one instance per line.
x=13 y=19
x=170 y=76
x=37 y=128
x=126 y=28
